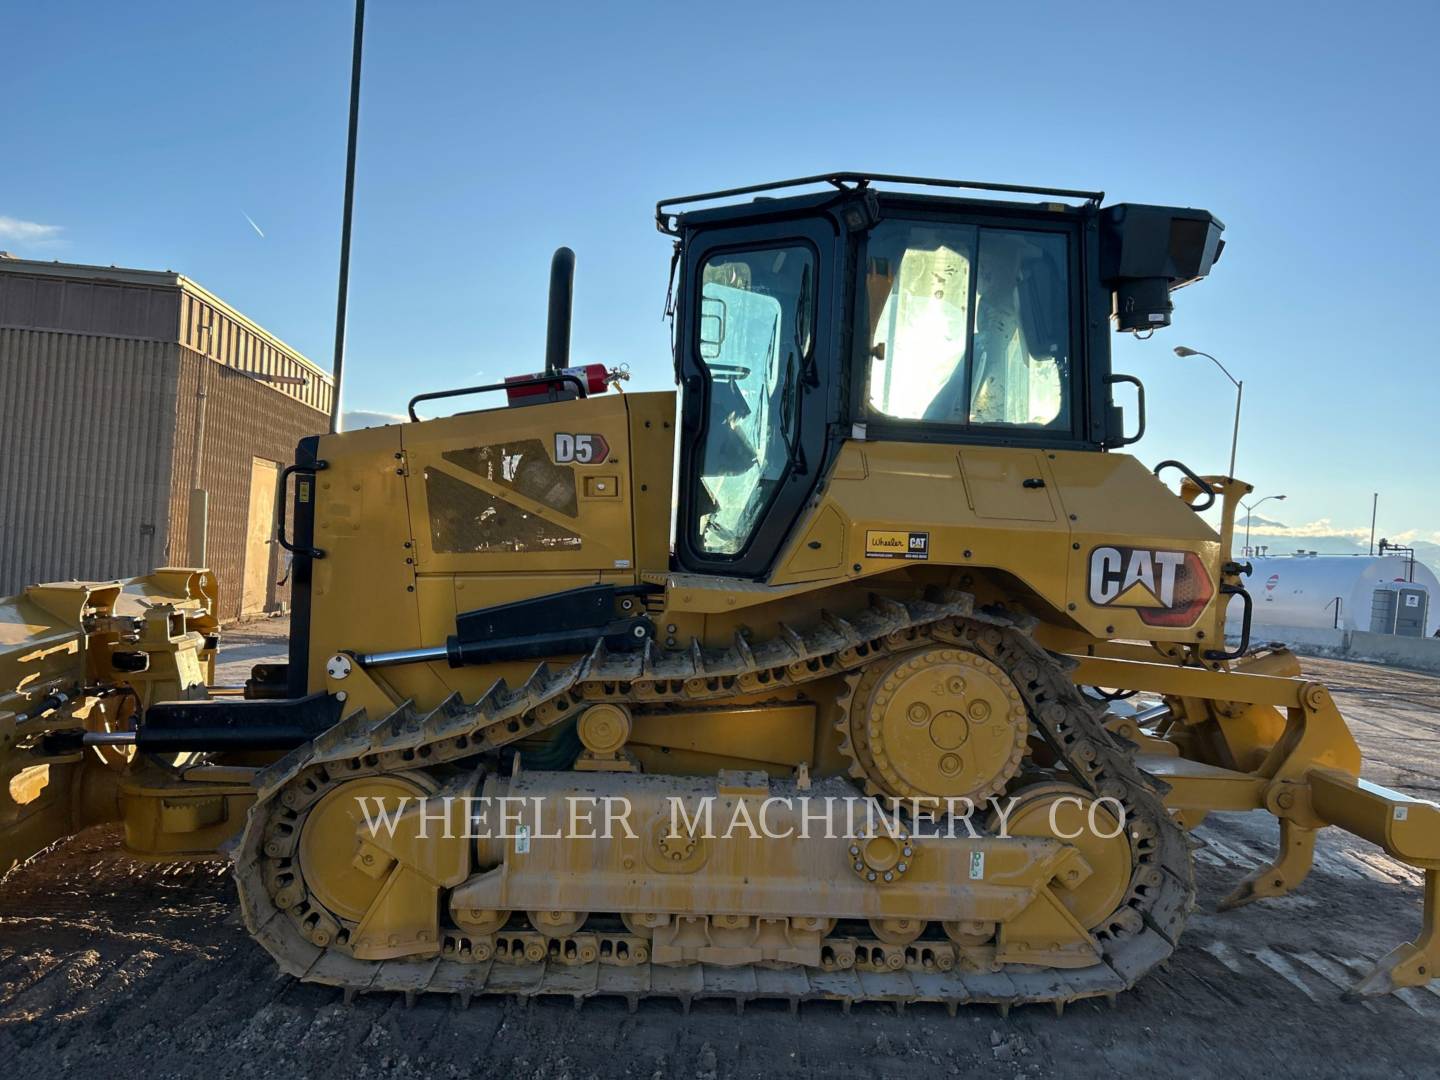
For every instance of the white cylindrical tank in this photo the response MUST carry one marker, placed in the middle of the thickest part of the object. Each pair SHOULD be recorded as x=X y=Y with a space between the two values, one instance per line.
x=1301 y=590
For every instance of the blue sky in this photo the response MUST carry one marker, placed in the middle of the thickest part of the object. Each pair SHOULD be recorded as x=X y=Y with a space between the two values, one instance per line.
x=141 y=134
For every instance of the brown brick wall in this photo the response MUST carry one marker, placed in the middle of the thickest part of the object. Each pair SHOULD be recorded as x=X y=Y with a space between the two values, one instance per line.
x=244 y=418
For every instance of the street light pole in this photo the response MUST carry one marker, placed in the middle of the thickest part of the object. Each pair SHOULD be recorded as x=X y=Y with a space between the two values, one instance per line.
x=1250 y=511
x=344 y=291
x=1235 y=432
x=1181 y=350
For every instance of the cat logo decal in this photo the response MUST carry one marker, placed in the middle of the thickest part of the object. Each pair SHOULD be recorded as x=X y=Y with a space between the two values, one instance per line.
x=1165 y=588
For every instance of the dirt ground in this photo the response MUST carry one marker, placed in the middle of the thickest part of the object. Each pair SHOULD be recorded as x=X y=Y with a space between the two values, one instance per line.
x=111 y=968
x=249 y=643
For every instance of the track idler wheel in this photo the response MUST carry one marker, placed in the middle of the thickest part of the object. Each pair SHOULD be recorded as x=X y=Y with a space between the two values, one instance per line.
x=338 y=874
x=1067 y=812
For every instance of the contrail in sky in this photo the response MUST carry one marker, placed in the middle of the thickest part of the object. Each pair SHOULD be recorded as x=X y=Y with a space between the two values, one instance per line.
x=248 y=218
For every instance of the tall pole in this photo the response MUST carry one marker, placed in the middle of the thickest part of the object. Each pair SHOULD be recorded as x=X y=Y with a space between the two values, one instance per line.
x=339 y=364
x=1250 y=512
x=197 y=519
x=1235 y=435
x=1239 y=384
x=1374 y=506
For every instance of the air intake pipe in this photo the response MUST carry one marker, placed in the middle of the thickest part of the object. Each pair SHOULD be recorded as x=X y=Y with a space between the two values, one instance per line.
x=562 y=296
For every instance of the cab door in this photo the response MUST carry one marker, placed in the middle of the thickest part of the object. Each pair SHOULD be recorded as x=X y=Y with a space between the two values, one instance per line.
x=755 y=351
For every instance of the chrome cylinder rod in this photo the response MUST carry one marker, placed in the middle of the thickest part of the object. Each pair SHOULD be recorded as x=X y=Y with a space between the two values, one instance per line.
x=109 y=738
x=403 y=656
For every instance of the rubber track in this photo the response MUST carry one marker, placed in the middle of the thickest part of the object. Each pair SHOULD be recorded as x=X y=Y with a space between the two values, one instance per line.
x=1141 y=934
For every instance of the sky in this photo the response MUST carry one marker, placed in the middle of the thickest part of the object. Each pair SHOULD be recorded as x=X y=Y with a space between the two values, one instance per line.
x=211 y=141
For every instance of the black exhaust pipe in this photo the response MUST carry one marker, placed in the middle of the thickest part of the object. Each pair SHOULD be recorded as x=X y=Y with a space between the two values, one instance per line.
x=562 y=295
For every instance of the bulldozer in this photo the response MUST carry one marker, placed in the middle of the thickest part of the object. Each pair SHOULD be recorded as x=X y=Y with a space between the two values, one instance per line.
x=801 y=682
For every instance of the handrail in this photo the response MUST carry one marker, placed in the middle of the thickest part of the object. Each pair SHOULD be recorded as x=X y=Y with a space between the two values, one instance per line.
x=1111 y=380
x=1244 y=646
x=857 y=180
x=511 y=384
x=282 y=488
x=1205 y=488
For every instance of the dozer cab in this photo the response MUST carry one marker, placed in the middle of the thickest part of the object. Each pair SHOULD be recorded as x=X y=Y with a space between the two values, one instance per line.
x=790 y=688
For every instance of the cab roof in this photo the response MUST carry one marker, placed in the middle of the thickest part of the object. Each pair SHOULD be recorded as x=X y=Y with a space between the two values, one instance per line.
x=671 y=220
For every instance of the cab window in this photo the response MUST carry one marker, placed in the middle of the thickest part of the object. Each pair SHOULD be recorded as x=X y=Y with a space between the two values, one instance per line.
x=755 y=328
x=968 y=325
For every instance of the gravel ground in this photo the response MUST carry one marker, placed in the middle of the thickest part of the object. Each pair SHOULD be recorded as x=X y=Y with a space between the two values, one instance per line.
x=108 y=967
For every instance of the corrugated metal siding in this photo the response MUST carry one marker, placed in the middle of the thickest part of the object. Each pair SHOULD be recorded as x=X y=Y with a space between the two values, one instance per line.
x=38 y=302
x=86 y=438
x=210 y=329
x=164 y=306
x=243 y=419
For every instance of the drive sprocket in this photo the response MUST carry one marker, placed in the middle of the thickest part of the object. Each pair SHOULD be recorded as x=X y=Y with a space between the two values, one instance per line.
x=937 y=722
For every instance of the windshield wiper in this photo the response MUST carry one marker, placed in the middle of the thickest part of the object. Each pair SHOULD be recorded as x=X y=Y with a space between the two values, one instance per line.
x=802 y=320
x=789 y=415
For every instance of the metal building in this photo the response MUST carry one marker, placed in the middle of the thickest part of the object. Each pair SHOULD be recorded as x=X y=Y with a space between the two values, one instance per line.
x=121 y=393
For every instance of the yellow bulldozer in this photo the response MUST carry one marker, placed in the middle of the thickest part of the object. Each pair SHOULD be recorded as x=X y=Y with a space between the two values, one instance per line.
x=823 y=713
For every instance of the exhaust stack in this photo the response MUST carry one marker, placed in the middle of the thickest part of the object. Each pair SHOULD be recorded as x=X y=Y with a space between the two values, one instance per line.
x=562 y=295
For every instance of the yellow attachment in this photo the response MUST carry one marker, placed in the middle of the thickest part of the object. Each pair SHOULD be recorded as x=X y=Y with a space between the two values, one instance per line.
x=1314 y=733
x=1414 y=963
x=936 y=722
x=58 y=674
x=172 y=816
x=1408 y=829
x=1305 y=772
